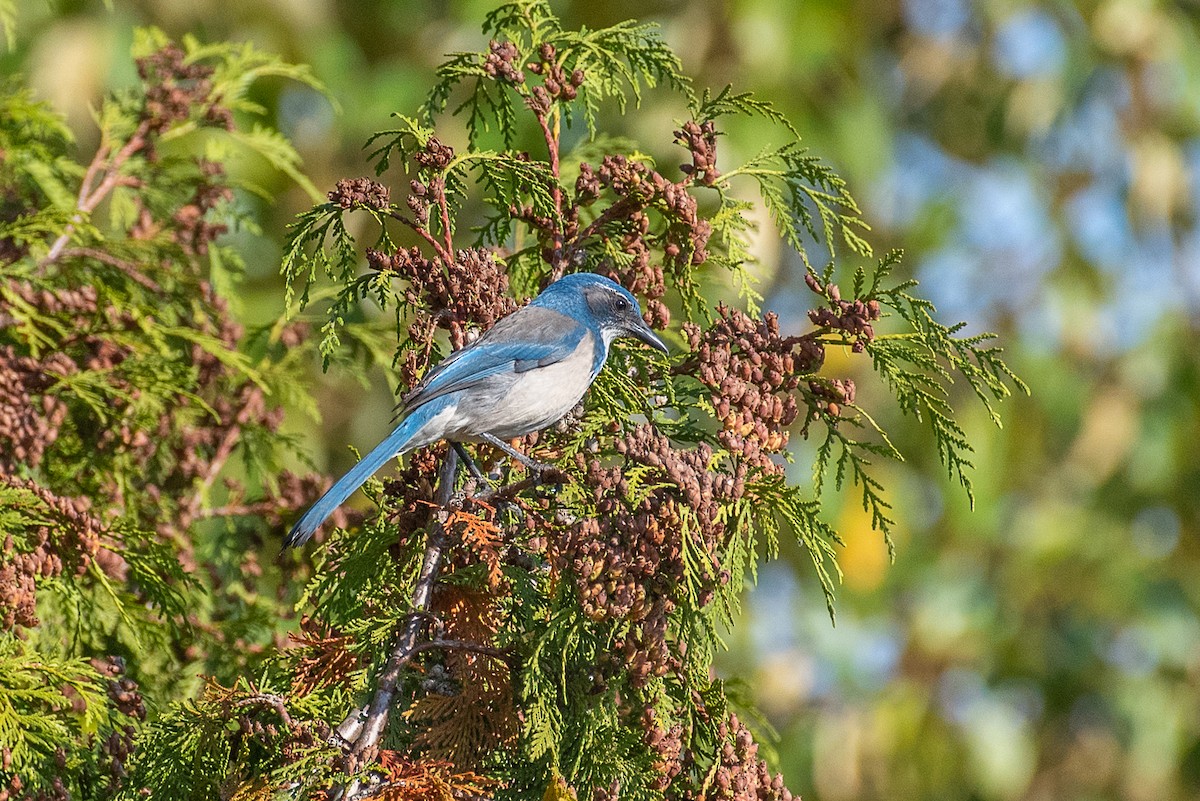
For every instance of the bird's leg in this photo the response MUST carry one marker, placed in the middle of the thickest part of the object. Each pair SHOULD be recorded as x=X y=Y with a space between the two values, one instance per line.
x=532 y=464
x=469 y=462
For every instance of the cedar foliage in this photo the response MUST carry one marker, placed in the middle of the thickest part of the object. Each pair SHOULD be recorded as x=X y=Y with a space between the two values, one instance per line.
x=565 y=644
x=140 y=456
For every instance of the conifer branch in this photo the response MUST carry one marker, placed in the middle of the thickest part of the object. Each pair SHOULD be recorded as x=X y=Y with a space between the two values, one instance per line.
x=90 y=198
x=444 y=252
x=461 y=645
x=366 y=741
x=571 y=634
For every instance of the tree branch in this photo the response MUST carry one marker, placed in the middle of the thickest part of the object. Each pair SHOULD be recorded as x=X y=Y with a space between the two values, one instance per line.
x=552 y=136
x=271 y=701
x=462 y=645
x=446 y=256
x=252 y=405
x=90 y=198
x=111 y=260
x=364 y=727
x=509 y=491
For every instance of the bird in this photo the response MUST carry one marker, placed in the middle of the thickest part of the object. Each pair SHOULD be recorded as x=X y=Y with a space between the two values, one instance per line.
x=523 y=374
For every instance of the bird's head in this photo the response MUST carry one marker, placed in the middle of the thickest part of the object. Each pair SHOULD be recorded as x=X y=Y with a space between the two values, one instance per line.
x=608 y=307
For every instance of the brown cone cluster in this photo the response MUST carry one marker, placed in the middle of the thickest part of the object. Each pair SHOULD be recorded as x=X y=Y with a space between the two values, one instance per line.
x=852 y=317
x=500 y=62
x=701 y=140
x=471 y=292
x=409 y=492
x=68 y=543
x=640 y=190
x=29 y=418
x=174 y=90
x=350 y=193
x=667 y=743
x=752 y=372
x=556 y=84
x=741 y=775
x=627 y=557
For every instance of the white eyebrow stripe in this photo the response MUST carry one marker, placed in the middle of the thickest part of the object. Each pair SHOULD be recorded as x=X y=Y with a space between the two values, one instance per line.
x=612 y=291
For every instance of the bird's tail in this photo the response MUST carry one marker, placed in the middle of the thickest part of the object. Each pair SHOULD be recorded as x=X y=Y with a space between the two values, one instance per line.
x=396 y=443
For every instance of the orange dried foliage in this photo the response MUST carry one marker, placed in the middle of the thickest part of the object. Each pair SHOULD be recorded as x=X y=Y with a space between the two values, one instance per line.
x=217 y=693
x=429 y=780
x=466 y=727
x=482 y=537
x=326 y=661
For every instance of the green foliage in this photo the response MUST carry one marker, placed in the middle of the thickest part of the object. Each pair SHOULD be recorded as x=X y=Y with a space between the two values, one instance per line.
x=136 y=429
x=921 y=363
x=588 y=671
x=621 y=61
x=800 y=192
x=527 y=639
x=46 y=702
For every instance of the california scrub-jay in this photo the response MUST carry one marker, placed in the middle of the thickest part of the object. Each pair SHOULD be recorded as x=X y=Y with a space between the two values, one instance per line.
x=524 y=373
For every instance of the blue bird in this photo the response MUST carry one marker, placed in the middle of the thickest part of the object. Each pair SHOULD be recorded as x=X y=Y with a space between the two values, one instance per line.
x=524 y=373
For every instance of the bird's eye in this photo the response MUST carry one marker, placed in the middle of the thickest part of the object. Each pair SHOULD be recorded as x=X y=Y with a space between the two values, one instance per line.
x=622 y=304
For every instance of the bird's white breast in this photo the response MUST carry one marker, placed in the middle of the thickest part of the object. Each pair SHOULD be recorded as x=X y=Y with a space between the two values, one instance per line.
x=526 y=401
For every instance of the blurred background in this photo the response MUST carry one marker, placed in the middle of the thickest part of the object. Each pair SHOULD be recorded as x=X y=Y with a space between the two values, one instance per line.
x=1040 y=165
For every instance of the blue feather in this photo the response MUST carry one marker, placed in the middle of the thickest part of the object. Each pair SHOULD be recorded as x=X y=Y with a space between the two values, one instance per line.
x=537 y=338
x=396 y=443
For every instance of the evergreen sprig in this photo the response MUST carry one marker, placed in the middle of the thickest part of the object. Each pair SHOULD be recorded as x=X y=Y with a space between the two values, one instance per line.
x=623 y=60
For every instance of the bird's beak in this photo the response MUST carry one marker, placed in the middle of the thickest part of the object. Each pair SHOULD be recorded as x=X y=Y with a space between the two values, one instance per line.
x=645 y=333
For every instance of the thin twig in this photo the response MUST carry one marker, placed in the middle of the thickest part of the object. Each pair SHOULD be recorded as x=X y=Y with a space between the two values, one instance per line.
x=551 y=137
x=422 y=232
x=445 y=208
x=462 y=645
x=225 y=449
x=509 y=491
x=90 y=198
x=111 y=260
x=271 y=701
x=617 y=210
x=254 y=508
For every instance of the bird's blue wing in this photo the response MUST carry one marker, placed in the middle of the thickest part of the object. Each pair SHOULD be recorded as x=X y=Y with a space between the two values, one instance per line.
x=532 y=337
